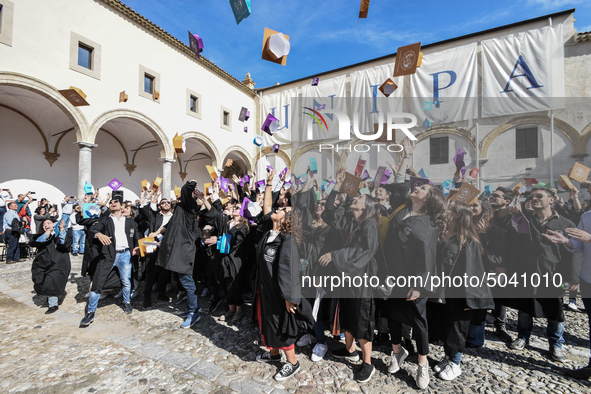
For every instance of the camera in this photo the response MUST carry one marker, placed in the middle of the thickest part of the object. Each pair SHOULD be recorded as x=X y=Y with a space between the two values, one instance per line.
x=33 y=199
x=32 y=193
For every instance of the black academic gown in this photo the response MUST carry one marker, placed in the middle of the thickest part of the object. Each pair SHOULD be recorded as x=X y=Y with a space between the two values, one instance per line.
x=355 y=257
x=155 y=220
x=536 y=256
x=277 y=281
x=51 y=267
x=452 y=262
x=178 y=247
x=105 y=277
x=229 y=266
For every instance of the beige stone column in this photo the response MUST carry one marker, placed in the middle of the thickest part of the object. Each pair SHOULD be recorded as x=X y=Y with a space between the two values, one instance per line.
x=84 y=165
x=166 y=185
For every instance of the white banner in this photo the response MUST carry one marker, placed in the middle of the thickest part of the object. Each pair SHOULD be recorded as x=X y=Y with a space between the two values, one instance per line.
x=523 y=72
x=368 y=102
x=278 y=104
x=445 y=87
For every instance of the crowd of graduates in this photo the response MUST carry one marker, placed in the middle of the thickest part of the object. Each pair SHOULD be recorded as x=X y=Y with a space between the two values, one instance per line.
x=239 y=237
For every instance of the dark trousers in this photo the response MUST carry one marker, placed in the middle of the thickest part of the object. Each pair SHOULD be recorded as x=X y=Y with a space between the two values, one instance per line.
x=457 y=326
x=158 y=275
x=237 y=301
x=13 y=252
x=500 y=314
x=413 y=314
x=585 y=288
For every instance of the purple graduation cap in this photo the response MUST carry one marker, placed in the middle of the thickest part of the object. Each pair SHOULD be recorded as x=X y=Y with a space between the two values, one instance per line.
x=269 y=168
x=276 y=148
x=315 y=81
x=245 y=179
x=242 y=117
x=196 y=44
x=520 y=224
x=115 y=184
x=459 y=161
x=225 y=185
x=246 y=129
x=283 y=172
x=386 y=176
x=260 y=186
x=271 y=125
x=247 y=116
x=365 y=176
x=249 y=209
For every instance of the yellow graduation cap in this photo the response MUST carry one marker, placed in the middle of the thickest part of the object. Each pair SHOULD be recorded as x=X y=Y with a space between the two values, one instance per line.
x=179 y=144
x=579 y=172
x=145 y=184
x=212 y=172
x=156 y=183
x=565 y=183
x=177 y=191
x=363 y=9
x=519 y=188
x=75 y=96
x=207 y=186
x=123 y=97
x=143 y=251
x=228 y=163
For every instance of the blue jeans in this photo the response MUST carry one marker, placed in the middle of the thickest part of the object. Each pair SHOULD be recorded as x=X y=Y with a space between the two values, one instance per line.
x=2 y=212
x=123 y=263
x=319 y=332
x=52 y=301
x=476 y=335
x=554 y=330
x=78 y=243
x=12 y=246
x=189 y=285
x=66 y=218
x=585 y=288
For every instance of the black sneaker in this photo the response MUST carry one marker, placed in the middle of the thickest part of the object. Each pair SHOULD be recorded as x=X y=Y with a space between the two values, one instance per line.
x=343 y=353
x=89 y=318
x=287 y=371
x=503 y=335
x=365 y=372
x=147 y=303
x=128 y=308
x=163 y=298
x=214 y=305
x=74 y=254
x=180 y=298
x=381 y=339
x=51 y=310
x=267 y=357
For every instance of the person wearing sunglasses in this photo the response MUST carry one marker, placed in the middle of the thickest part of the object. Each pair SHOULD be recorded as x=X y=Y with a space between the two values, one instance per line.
x=532 y=255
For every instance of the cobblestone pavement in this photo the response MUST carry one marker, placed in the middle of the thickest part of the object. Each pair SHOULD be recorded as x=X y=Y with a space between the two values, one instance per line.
x=148 y=352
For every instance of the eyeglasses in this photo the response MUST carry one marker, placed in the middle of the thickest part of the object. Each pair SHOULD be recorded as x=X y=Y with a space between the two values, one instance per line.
x=538 y=196
x=322 y=204
x=496 y=196
x=164 y=202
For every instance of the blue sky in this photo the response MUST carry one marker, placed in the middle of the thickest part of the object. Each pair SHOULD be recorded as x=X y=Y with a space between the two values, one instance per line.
x=325 y=35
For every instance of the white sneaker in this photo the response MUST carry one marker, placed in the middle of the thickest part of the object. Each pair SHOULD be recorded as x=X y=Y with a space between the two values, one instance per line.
x=134 y=293
x=396 y=360
x=441 y=366
x=104 y=294
x=451 y=371
x=572 y=306
x=318 y=352
x=120 y=294
x=306 y=340
x=422 y=378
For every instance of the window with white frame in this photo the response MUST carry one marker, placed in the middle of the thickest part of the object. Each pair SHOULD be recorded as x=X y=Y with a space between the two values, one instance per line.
x=225 y=118
x=194 y=101
x=85 y=55
x=149 y=84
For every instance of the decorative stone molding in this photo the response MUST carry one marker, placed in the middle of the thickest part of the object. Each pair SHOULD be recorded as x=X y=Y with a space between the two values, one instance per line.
x=207 y=143
x=51 y=157
x=130 y=168
x=248 y=81
x=183 y=175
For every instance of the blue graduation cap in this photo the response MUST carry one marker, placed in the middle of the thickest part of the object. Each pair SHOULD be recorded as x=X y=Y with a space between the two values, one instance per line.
x=241 y=9
x=427 y=105
x=427 y=123
x=88 y=189
x=488 y=189
x=446 y=187
x=223 y=244
x=313 y=165
x=423 y=174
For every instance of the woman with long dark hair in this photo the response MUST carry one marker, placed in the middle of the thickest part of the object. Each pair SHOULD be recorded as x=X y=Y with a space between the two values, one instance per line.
x=460 y=255
x=493 y=252
x=278 y=306
x=357 y=225
x=410 y=251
